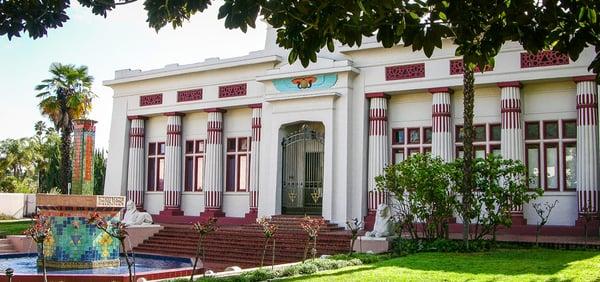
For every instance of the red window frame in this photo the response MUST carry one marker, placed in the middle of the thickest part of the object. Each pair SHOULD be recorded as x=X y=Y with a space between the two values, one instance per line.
x=564 y=128
x=395 y=134
x=564 y=161
x=236 y=152
x=155 y=155
x=527 y=125
x=545 y=171
x=539 y=163
x=545 y=130
x=194 y=150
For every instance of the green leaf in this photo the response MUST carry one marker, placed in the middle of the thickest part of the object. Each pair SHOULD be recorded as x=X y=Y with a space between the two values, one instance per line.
x=443 y=16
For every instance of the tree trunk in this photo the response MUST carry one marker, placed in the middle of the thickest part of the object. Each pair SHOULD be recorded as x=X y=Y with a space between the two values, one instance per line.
x=44 y=263
x=65 y=161
x=469 y=97
x=198 y=249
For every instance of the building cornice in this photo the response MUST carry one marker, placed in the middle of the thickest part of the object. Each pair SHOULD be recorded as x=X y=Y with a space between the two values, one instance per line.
x=127 y=76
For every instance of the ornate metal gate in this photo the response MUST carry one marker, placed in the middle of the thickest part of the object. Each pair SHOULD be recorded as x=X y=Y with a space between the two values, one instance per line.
x=302 y=175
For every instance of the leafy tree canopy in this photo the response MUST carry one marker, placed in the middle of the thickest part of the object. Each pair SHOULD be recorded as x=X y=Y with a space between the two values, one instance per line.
x=479 y=28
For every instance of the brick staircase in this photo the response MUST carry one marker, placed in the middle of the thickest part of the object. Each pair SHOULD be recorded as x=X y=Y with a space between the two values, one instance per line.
x=242 y=245
x=6 y=247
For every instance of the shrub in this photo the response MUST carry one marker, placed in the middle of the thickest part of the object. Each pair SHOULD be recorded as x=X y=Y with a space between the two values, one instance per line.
x=290 y=271
x=307 y=268
x=402 y=247
x=257 y=275
x=420 y=186
x=355 y=261
x=6 y=217
x=325 y=264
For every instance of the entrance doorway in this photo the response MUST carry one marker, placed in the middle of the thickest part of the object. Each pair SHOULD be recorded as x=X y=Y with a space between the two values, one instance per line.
x=302 y=172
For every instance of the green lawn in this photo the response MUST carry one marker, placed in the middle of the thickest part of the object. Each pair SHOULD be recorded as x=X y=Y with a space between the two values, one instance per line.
x=14 y=228
x=499 y=265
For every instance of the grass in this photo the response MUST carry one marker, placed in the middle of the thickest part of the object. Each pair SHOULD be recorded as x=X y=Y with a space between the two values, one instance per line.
x=13 y=228
x=498 y=265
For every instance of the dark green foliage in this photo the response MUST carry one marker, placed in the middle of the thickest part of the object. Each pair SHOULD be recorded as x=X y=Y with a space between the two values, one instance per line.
x=402 y=247
x=421 y=186
x=99 y=172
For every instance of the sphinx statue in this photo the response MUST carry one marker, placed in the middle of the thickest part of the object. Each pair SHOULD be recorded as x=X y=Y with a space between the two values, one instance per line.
x=383 y=222
x=134 y=217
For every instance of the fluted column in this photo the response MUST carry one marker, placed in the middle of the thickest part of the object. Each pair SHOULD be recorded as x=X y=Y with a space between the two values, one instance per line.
x=379 y=152
x=135 y=172
x=254 y=159
x=587 y=145
x=173 y=160
x=512 y=138
x=213 y=171
x=442 y=143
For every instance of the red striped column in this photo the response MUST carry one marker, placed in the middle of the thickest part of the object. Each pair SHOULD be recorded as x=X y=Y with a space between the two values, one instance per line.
x=173 y=160
x=379 y=151
x=254 y=160
x=135 y=168
x=587 y=145
x=213 y=171
x=512 y=138
x=442 y=143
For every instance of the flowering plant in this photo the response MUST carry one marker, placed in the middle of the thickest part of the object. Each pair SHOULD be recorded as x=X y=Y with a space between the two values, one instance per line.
x=311 y=226
x=39 y=231
x=115 y=229
x=354 y=225
x=269 y=231
x=203 y=229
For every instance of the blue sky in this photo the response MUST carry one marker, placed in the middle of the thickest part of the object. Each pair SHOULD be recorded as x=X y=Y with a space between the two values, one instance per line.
x=122 y=40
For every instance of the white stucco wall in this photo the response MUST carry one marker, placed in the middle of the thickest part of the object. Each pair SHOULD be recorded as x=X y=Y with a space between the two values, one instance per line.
x=548 y=94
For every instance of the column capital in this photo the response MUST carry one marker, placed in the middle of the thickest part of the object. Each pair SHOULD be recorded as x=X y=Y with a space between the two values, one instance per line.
x=137 y=117
x=440 y=90
x=584 y=78
x=255 y=106
x=376 y=95
x=174 y=114
x=510 y=84
x=215 y=110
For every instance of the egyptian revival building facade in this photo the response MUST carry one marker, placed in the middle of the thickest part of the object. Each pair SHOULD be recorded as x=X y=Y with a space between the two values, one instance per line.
x=255 y=136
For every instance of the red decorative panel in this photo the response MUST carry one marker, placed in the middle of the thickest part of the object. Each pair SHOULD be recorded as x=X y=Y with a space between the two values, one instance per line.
x=405 y=71
x=189 y=95
x=232 y=90
x=543 y=59
x=458 y=67
x=89 y=157
x=149 y=100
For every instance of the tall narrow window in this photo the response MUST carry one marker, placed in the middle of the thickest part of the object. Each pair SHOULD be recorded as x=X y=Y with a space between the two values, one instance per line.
x=533 y=165
x=194 y=165
x=483 y=143
x=570 y=161
x=156 y=166
x=237 y=164
x=551 y=166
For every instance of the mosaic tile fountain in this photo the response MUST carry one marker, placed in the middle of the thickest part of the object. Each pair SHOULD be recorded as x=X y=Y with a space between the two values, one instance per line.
x=73 y=242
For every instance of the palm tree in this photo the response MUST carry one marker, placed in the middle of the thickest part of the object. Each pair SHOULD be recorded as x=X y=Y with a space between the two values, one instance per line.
x=66 y=96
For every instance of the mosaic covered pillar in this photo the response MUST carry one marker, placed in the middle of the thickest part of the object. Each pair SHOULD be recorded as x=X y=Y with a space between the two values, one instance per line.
x=442 y=143
x=254 y=160
x=512 y=136
x=82 y=179
x=213 y=172
x=379 y=153
x=173 y=160
x=587 y=145
x=135 y=172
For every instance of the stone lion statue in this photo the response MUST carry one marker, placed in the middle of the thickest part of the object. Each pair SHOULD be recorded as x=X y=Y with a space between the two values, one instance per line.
x=383 y=222
x=134 y=217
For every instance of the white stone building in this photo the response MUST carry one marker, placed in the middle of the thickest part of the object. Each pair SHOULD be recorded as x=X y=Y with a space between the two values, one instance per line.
x=252 y=135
